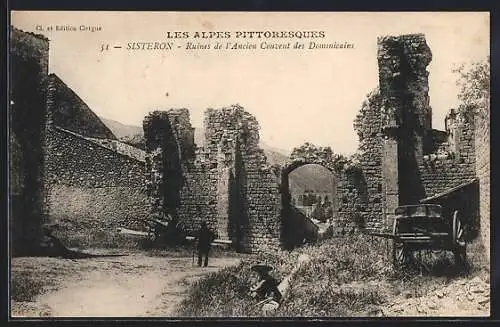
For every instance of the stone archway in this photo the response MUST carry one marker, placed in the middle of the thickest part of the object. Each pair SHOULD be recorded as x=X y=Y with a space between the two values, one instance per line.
x=296 y=228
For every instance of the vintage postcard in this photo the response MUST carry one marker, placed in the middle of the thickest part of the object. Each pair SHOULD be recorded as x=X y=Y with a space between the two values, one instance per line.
x=249 y=164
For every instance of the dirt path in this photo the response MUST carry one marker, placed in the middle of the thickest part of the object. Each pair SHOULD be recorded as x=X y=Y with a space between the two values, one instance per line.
x=130 y=286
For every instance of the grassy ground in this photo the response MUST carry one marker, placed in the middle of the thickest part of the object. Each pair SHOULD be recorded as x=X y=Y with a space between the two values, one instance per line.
x=351 y=276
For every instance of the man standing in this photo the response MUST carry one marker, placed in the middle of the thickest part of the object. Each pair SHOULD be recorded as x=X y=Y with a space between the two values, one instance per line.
x=205 y=238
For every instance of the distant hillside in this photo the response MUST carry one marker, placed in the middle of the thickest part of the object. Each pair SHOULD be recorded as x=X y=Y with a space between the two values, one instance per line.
x=71 y=113
x=122 y=130
x=309 y=177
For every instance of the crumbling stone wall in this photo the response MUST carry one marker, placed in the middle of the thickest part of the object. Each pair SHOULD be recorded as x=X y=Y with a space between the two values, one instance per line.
x=29 y=54
x=92 y=190
x=187 y=188
x=482 y=149
x=368 y=125
x=198 y=196
x=248 y=190
x=226 y=183
x=163 y=164
x=403 y=159
x=453 y=163
x=354 y=210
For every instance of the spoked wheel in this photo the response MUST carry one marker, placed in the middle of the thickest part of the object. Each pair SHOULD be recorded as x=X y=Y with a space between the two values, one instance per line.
x=400 y=255
x=459 y=239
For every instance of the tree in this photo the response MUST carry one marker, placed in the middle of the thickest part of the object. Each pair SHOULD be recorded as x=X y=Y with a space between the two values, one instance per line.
x=474 y=85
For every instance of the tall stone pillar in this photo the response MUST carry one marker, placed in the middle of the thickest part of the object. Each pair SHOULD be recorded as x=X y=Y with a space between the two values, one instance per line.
x=163 y=164
x=390 y=80
x=406 y=116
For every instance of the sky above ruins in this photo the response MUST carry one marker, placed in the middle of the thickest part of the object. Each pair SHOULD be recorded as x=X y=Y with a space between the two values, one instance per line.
x=296 y=95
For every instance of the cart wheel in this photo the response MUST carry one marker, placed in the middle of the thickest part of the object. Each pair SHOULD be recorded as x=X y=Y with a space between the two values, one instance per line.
x=458 y=230
x=459 y=239
x=400 y=255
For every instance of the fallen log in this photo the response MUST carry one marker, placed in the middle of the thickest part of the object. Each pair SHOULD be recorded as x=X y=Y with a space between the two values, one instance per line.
x=284 y=286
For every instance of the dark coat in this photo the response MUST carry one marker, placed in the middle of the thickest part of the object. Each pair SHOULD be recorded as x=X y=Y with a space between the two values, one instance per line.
x=205 y=237
x=269 y=288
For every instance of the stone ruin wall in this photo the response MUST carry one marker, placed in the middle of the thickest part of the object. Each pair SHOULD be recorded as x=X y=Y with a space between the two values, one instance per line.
x=402 y=158
x=259 y=189
x=197 y=192
x=29 y=56
x=482 y=147
x=351 y=212
x=368 y=125
x=444 y=169
x=226 y=182
x=230 y=168
x=93 y=187
x=92 y=190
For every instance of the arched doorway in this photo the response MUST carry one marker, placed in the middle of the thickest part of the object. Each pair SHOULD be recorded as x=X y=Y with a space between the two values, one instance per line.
x=297 y=226
x=312 y=190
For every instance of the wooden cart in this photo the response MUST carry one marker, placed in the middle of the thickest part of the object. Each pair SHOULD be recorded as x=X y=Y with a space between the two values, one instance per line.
x=424 y=227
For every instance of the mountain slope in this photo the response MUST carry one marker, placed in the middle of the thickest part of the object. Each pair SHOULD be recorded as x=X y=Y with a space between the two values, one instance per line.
x=122 y=130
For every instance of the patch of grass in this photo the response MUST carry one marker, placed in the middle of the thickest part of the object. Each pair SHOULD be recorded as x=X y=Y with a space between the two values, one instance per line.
x=329 y=300
x=334 y=262
x=347 y=276
x=26 y=286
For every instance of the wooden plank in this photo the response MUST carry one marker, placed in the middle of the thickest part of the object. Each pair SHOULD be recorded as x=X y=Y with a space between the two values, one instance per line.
x=215 y=242
x=421 y=234
x=127 y=231
x=165 y=224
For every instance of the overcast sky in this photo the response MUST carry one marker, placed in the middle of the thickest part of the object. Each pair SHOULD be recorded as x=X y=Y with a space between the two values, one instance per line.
x=297 y=96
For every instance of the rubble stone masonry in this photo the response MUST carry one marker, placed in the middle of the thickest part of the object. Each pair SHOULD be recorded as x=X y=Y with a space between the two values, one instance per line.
x=442 y=170
x=402 y=158
x=226 y=183
x=368 y=125
x=92 y=190
x=482 y=142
